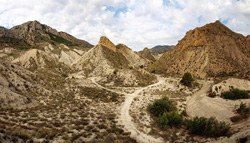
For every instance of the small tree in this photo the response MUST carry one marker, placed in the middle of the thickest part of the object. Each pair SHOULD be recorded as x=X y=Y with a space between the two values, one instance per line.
x=161 y=106
x=187 y=79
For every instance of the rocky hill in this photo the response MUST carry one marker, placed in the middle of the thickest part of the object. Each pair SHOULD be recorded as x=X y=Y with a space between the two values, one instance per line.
x=160 y=49
x=6 y=32
x=135 y=59
x=9 y=38
x=146 y=53
x=208 y=51
x=118 y=63
x=34 y=32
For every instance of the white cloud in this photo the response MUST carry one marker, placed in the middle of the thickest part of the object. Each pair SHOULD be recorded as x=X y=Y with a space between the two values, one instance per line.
x=136 y=23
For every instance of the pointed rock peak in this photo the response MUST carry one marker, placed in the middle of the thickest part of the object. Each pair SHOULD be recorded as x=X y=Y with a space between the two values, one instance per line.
x=123 y=48
x=214 y=25
x=145 y=53
x=217 y=22
x=32 y=23
x=146 y=50
x=107 y=43
x=35 y=21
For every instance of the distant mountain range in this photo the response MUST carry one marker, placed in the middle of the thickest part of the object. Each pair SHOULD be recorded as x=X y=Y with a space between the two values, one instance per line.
x=160 y=49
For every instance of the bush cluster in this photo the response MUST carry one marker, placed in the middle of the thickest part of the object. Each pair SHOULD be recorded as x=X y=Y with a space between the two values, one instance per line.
x=167 y=116
x=235 y=94
x=165 y=111
x=187 y=79
x=170 y=119
x=209 y=127
x=161 y=106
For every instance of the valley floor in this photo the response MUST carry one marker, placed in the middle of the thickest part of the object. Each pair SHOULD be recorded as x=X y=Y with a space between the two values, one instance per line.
x=81 y=118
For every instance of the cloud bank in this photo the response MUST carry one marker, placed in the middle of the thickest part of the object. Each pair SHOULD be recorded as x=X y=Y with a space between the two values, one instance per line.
x=136 y=23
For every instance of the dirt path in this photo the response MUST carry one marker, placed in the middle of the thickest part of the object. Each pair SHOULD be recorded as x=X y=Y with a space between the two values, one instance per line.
x=197 y=105
x=100 y=86
x=126 y=120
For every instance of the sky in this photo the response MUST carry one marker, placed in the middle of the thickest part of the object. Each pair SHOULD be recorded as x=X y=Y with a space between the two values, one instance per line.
x=136 y=23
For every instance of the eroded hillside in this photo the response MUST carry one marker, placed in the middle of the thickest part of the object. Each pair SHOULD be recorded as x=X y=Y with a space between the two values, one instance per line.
x=208 y=51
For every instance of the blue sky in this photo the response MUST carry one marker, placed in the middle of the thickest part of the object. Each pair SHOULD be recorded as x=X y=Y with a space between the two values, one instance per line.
x=136 y=23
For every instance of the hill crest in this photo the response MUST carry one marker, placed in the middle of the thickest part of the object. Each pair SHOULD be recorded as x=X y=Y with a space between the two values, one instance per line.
x=208 y=51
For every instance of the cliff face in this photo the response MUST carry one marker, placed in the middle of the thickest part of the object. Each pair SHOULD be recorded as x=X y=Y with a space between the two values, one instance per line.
x=104 y=41
x=211 y=50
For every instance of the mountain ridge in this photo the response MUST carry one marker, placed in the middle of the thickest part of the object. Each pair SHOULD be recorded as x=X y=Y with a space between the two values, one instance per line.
x=207 y=51
x=160 y=49
x=33 y=32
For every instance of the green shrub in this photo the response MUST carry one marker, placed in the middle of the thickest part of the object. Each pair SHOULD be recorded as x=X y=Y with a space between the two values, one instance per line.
x=187 y=79
x=64 y=75
x=235 y=94
x=161 y=106
x=163 y=121
x=243 y=113
x=174 y=119
x=184 y=113
x=243 y=108
x=170 y=119
x=209 y=127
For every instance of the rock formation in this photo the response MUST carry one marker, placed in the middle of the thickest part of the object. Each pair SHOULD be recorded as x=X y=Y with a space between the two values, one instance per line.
x=33 y=32
x=104 y=41
x=145 y=53
x=6 y=33
x=208 y=51
x=160 y=49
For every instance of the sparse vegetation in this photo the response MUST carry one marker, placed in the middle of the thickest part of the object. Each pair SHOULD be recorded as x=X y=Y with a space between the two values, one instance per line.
x=166 y=113
x=160 y=106
x=13 y=42
x=58 y=39
x=100 y=94
x=167 y=116
x=187 y=79
x=208 y=127
x=235 y=94
x=243 y=113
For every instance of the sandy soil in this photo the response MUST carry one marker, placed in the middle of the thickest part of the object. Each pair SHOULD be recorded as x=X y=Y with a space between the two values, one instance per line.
x=201 y=105
x=126 y=119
